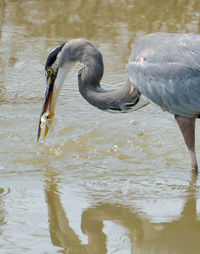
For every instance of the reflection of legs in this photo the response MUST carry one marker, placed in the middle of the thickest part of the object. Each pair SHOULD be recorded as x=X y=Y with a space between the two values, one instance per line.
x=187 y=126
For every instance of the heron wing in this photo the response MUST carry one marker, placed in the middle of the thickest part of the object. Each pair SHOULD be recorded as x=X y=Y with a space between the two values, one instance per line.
x=166 y=69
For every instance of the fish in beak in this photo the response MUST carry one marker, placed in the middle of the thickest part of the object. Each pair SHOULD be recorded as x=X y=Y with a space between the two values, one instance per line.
x=50 y=97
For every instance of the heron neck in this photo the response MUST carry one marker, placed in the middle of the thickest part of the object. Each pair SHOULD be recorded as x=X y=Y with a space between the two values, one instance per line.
x=119 y=100
x=89 y=79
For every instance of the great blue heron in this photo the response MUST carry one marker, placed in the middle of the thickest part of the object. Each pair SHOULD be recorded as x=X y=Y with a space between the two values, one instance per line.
x=165 y=68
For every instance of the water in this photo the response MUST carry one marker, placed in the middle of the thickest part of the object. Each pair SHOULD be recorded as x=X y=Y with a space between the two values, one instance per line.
x=100 y=183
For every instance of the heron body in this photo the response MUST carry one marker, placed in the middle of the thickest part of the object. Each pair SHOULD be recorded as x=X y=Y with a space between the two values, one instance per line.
x=163 y=68
x=166 y=69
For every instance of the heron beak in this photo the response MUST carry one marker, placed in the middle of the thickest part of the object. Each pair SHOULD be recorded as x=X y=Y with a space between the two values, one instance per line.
x=47 y=112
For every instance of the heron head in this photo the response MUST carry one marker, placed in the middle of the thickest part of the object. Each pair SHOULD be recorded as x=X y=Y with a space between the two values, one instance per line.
x=51 y=93
x=58 y=64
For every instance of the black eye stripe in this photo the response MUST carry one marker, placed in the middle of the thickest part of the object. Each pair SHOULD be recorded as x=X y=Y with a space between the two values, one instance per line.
x=52 y=56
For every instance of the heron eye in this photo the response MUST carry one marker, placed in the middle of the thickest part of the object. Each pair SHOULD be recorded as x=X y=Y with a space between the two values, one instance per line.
x=50 y=71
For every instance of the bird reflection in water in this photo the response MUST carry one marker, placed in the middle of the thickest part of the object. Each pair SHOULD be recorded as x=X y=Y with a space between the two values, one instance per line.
x=179 y=236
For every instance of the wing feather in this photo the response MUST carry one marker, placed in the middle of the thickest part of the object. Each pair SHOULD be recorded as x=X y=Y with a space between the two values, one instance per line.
x=166 y=69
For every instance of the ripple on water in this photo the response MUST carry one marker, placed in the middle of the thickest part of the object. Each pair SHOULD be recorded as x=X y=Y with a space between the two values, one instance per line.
x=4 y=191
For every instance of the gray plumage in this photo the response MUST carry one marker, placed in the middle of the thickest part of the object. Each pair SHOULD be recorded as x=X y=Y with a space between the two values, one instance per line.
x=165 y=68
x=89 y=77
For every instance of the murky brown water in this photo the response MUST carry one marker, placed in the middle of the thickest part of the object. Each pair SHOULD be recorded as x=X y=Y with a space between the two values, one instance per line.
x=101 y=183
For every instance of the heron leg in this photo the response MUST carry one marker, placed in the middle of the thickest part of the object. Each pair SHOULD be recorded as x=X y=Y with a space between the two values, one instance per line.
x=187 y=126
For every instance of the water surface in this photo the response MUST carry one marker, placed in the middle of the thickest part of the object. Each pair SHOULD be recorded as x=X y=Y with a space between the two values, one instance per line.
x=100 y=183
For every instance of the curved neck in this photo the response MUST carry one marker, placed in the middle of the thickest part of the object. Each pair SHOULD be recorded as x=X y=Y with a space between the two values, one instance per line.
x=121 y=99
